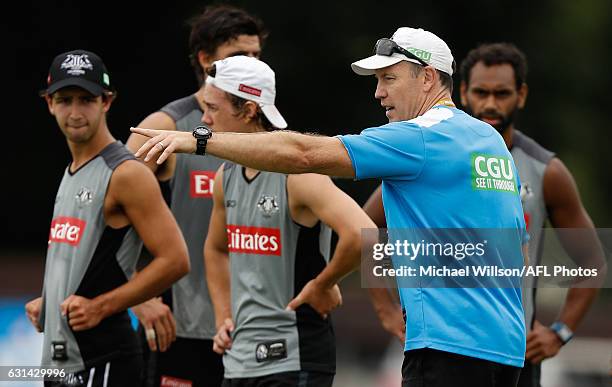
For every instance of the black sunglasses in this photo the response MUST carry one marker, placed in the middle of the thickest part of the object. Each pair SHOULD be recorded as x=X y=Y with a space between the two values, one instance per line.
x=386 y=47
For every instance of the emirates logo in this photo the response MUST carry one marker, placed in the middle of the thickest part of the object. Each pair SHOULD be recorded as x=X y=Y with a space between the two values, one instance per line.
x=66 y=229
x=254 y=240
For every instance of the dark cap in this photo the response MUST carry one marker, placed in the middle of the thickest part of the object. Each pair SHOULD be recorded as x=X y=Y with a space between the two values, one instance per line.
x=78 y=68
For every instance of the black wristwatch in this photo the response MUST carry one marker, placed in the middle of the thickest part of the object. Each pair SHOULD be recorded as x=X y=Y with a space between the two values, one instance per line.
x=202 y=133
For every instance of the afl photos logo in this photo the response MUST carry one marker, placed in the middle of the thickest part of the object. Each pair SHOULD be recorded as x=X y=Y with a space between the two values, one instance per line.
x=68 y=230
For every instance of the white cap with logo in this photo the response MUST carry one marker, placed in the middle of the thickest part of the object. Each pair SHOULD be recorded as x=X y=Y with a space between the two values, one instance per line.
x=423 y=44
x=251 y=79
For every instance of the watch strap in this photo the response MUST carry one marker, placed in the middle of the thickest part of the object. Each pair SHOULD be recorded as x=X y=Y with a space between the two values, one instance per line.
x=564 y=333
x=201 y=146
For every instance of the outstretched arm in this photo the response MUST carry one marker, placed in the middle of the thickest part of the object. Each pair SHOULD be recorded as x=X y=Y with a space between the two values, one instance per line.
x=279 y=151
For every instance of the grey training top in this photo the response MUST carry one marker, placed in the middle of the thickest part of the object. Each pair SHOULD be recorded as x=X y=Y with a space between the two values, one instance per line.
x=87 y=257
x=531 y=160
x=271 y=259
x=191 y=204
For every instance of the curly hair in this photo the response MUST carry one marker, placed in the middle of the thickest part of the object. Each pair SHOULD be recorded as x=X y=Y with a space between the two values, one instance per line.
x=495 y=54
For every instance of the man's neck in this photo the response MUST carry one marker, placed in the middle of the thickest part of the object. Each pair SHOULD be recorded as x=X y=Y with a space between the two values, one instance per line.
x=83 y=152
x=442 y=97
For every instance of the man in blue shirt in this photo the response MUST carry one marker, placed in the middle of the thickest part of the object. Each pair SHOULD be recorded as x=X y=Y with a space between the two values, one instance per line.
x=440 y=168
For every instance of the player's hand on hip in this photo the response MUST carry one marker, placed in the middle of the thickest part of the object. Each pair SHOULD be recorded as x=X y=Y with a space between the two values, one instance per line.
x=393 y=322
x=164 y=143
x=82 y=313
x=320 y=298
x=223 y=339
x=33 y=312
x=542 y=343
x=158 y=322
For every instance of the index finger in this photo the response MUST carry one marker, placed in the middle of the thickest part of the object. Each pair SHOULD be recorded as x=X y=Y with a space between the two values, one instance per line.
x=144 y=132
x=155 y=136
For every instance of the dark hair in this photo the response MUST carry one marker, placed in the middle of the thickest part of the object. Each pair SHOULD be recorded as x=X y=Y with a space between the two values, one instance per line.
x=495 y=54
x=216 y=25
x=446 y=80
x=238 y=103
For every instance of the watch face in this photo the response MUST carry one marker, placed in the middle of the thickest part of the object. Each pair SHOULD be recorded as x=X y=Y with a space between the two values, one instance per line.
x=201 y=131
x=565 y=333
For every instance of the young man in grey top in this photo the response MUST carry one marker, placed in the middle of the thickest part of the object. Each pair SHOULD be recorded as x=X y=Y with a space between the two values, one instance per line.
x=107 y=200
x=218 y=32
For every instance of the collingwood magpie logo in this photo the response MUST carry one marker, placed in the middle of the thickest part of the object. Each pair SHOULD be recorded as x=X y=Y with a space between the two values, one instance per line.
x=84 y=197
x=526 y=192
x=261 y=353
x=268 y=205
x=76 y=64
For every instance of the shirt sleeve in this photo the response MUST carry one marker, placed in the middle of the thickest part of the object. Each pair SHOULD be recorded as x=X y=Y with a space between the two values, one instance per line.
x=393 y=151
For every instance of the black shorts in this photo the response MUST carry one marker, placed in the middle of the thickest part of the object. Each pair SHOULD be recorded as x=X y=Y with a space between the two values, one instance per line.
x=431 y=368
x=530 y=375
x=124 y=371
x=188 y=362
x=284 y=379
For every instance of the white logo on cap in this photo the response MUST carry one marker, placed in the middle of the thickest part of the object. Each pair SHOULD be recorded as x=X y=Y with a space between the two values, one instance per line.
x=76 y=64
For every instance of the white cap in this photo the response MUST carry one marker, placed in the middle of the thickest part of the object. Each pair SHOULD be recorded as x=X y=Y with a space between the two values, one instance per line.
x=251 y=79
x=423 y=44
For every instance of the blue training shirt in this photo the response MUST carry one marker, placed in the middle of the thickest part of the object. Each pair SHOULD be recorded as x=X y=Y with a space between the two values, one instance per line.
x=436 y=173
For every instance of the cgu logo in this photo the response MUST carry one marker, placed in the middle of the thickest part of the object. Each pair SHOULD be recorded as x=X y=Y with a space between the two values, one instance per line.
x=253 y=240
x=68 y=230
x=202 y=184
x=498 y=168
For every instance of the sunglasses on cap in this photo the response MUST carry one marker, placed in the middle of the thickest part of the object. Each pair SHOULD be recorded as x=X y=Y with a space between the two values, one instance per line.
x=386 y=47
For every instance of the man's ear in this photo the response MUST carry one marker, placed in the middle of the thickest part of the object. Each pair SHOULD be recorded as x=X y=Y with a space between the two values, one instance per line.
x=49 y=104
x=107 y=100
x=522 y=95
x=463 y=93
x=205 y=60
x=430 y=78
x=250 y=111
